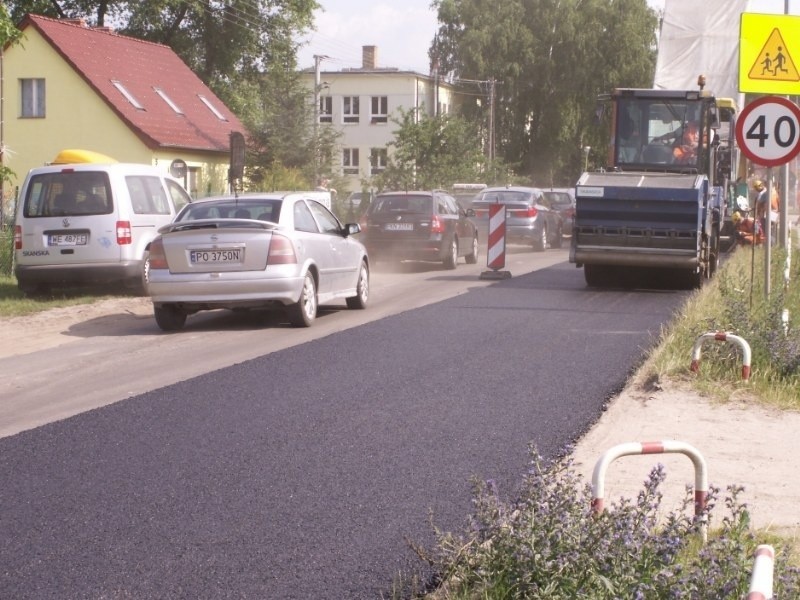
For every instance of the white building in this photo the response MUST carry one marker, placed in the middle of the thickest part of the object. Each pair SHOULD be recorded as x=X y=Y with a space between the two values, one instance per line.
x=363 y=103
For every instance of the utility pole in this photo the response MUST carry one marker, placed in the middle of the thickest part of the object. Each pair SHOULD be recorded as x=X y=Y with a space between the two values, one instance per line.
x=318 y=58
x=783 y=219
x=492 y=83
x=491 y=118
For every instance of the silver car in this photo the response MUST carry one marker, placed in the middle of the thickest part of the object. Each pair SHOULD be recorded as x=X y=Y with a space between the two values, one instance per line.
x=256 y=251
x=530 y=219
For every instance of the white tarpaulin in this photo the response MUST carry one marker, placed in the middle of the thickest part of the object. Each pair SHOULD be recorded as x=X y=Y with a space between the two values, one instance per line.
x=700 y=38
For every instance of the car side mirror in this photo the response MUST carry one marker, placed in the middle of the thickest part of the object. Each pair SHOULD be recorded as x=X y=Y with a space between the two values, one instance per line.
x=469 y=212
x=351 y=229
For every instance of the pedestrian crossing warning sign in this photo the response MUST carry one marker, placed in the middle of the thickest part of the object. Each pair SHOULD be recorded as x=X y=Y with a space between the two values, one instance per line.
x=768 y=48
x=774 y=62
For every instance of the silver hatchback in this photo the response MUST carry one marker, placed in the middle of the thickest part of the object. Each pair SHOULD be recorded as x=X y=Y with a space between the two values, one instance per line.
x=256 y=251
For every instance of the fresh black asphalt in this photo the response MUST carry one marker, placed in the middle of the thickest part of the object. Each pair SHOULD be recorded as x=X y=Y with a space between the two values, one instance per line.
x=303 y=474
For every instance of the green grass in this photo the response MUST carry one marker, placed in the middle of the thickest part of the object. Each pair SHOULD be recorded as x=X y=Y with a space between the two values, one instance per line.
x=14 y=303
x=735 y=302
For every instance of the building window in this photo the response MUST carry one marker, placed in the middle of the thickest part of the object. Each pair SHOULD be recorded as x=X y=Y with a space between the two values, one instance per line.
x=378 y=159
x=350 y=109
x=326 y=109
x=32 y=98
x=380 y=109
x=350 y=161
x=128 y=96
x=168 y=100
x=211 y=107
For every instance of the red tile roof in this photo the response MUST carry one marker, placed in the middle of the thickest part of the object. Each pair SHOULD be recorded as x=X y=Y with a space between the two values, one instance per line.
x=102 y=57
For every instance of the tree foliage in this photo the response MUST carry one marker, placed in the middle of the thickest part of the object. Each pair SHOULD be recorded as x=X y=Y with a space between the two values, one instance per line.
x=550 y=60
x=432 y=152
x=244 y=50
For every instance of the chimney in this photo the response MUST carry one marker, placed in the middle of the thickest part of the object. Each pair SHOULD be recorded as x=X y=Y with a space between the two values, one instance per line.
x=80 y=22
x=369 y=57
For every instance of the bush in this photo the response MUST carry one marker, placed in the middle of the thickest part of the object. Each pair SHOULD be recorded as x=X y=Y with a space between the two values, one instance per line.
x=548 y=544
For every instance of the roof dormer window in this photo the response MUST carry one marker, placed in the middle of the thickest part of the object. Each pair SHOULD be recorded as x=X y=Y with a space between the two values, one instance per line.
x=168 y=100
x=128 y=96
x=212 y=108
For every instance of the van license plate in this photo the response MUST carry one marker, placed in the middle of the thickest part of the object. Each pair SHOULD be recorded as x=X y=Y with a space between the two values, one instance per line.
x=399 y=227
x=232 y=255
x=67 y=239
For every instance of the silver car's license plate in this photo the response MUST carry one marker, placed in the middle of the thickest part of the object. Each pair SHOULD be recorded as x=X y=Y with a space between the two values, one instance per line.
x=67 y=239
x=399 y=227
x=228 y=255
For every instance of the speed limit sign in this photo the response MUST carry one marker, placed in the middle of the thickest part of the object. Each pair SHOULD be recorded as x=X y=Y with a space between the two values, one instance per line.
x=768 y=131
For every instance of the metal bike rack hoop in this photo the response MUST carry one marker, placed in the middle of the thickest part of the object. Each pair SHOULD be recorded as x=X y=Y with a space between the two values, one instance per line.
x=722 y=336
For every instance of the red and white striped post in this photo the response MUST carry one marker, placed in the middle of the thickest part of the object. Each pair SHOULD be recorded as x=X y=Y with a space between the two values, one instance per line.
x=761 y=579
x=721 y=336
x=496 y=245
x=664 y=447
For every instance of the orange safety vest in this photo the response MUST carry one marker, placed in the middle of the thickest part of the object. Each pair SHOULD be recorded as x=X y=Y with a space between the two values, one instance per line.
x=746 y=232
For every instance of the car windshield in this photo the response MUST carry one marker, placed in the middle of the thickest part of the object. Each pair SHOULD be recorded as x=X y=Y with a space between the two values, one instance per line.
x=504 y=197
x=261 y=210
x=398 y=204
x=649 y=131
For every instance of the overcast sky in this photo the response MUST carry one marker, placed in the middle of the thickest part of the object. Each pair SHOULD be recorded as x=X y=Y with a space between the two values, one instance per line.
x=402 y=30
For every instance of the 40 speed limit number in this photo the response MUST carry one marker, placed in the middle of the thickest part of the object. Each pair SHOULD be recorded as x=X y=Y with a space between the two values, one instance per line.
x=768 y=131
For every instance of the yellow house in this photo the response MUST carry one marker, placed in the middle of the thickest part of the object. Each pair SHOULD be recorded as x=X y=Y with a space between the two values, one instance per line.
x=72 y=86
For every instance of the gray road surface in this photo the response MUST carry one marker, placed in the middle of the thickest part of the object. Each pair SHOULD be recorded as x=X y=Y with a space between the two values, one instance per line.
x=302 y=473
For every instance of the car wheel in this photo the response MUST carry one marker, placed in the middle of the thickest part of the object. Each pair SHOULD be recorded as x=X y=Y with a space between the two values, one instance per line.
x=169 y=318
x=32 y=290
x=451 y=259
x=303 y=312
x=596 y=275
x=558 y=237
x=540 y=243
x=472 y=257
x=362 y=289
x=145 y=282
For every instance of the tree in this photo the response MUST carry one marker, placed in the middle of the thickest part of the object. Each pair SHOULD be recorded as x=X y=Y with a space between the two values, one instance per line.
x=244 y=50
x=432 y=152
x=9 y=35
x=551 y=59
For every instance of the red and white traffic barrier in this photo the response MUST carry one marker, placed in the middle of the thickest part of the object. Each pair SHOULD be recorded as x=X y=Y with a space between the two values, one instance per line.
x=663 y=447
x=761 y=579
x=721 y=336
x=496 y=246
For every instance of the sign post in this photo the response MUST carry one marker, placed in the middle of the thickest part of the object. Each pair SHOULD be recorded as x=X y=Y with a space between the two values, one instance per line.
x=496 y=244
x=768 y=132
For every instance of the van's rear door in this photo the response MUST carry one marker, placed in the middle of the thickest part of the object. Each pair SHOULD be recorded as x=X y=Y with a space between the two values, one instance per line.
x=68 y=218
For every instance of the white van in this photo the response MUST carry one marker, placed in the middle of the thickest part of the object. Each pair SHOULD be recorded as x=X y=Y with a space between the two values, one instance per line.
x=90 y=223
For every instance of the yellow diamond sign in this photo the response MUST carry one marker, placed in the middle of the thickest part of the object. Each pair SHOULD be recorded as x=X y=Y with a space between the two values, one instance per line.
x=769 y=46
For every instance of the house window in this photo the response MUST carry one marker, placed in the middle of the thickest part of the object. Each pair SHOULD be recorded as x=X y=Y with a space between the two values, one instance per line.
x=32 y=98
x=350 y=109
x=377 y=159
x=326 y=109
x=128 y=96
x=380 y=109
x=211 y=107
x=168 y=100
x=350 y=161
